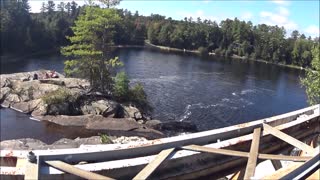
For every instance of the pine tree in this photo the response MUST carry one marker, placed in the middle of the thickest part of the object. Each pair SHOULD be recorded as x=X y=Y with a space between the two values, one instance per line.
x=93 y=35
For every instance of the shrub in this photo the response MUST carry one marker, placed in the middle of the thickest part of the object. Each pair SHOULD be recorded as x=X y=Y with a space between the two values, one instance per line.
x=139 y=98
x=121 y=86
x=105 y=139
x=58 y=96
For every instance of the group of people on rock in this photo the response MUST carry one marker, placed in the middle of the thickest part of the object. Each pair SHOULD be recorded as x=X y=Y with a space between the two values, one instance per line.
x=50 y=74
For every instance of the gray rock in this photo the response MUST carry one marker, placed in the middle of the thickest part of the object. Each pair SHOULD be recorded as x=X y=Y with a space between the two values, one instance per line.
x=4 y=92
x=13 y=98
x=106 y=108
x=132 y=112
x=40 y=110
x=27 y=107
x=22 y=144
x=152 y=123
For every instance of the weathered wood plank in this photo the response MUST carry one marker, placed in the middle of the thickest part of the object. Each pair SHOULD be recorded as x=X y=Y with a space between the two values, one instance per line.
x=276 y=164
x=296 y=143
x=76 y=171
x=152 y=166
x=216 y=151
x=253 y=156
x=244 y=154
x=32 y=171
x=284 y=158
x=237 y=175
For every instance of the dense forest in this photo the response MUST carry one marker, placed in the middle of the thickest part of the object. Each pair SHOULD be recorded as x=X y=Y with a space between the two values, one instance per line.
x=25 y=32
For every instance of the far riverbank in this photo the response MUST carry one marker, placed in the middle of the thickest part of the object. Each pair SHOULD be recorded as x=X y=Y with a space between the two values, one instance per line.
x=213 y=54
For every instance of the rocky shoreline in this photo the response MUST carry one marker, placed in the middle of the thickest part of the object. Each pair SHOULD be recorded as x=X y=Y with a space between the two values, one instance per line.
x=70 y=102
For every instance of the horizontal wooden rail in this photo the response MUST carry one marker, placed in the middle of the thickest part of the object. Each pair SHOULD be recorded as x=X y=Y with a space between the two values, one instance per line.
x=76 y=171
x=245 y=154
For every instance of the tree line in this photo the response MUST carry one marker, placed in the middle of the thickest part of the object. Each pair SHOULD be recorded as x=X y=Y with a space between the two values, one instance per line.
x=22 y=32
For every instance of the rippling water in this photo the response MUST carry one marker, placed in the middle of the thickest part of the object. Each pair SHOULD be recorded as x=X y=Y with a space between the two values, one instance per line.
x=212 y=92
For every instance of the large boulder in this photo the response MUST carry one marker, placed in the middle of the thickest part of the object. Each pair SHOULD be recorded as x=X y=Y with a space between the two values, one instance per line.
x=27 y=107
x=40 y=110
x=106 y=108
x=4 y=92
x=132 y=112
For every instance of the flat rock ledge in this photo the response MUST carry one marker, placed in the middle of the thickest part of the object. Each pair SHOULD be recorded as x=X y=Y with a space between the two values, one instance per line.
x=33 y=144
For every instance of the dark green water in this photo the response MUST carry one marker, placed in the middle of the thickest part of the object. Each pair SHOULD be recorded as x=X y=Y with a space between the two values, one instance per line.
x=212 y=92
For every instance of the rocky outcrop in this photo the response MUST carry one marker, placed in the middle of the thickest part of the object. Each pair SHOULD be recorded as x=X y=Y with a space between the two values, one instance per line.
x=70 y=102
x=33 y=144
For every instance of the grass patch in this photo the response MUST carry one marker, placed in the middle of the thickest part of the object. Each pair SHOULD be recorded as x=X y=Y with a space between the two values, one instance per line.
x=105 y=139
x=59 y=96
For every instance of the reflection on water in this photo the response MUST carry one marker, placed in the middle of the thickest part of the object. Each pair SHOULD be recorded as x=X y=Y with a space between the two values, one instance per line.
x=212 y=92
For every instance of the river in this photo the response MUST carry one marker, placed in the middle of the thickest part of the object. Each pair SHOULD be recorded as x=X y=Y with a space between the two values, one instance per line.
x=211 y=92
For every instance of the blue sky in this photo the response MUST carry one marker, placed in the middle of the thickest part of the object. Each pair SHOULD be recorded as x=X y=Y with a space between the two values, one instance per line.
x=300 y=15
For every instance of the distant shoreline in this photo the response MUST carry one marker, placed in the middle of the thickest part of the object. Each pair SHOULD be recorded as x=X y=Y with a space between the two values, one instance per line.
x=166 y=48
x=233 y=56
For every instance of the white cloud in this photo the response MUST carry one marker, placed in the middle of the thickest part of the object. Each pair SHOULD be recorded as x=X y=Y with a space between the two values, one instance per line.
x=281 y=2
x=280 y=18
x=312 y=30
x=283 y=11
x=206 y=1
x=246 y=16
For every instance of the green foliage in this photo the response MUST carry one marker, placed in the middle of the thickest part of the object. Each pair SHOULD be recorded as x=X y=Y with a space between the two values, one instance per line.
x=59 y=96
x=22 y=32
x=135 y=95
x=105 y=139
x=121 y=86
x=139 y=98
x=312 y=80
x=91 y=45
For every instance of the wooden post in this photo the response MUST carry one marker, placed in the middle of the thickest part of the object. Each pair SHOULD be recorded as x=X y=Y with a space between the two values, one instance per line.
x=32 y=171
x=253 y=156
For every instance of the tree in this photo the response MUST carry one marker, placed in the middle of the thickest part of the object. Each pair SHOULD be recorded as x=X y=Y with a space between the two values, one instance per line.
x=50 y=7
x=312 y=80
x=121 y=87
x=61 y=7
x=68 y=8
x=43 y=7
x=90 y=46
x=110 y=3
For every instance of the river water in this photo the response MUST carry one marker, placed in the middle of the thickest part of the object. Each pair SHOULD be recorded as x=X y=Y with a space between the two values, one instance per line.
x=211 y=92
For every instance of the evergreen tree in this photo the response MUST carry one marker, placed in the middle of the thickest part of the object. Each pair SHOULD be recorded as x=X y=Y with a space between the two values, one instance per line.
x=93 y=35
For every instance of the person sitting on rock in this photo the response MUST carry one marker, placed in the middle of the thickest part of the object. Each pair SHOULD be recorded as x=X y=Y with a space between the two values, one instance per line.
x=54 y=74
x=35 y=76
x=47 y=76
